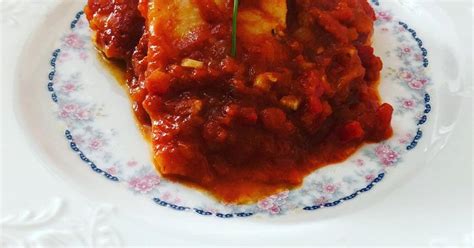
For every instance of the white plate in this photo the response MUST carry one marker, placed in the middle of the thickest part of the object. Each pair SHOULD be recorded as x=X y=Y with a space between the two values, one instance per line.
x=81 y=94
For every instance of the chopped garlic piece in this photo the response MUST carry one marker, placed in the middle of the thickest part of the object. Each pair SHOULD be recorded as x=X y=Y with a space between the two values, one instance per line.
x=291 y=102
x=264 y=81
x=191 y=63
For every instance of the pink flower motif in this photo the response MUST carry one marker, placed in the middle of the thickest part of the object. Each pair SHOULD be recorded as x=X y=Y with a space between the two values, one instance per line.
x=386 y=155
x=144 y=184
x=69 y=87
x=79 y=139
x=392 y=156
x=166 y=196
x=152 y=179
x=274 y=209
x=359 y=162
x=266 y=203
x=389 y=159
x=96 y=144
x=70 y=108
x=321 y=200
x=80 y=23
x=112 y=170
x=417 y=84
x=381 y=149
x=64 y=56
x=383 y=15
x=83 y=56
x=418 y=57
x=74 y=41
x=132 y=163
x=272 y=203
x=405 y=139
x=82 y=114
x=369 y=177
x=63 y=114
x=409 y=103
x=330 y=188
x=406 y=50
x=407 y=76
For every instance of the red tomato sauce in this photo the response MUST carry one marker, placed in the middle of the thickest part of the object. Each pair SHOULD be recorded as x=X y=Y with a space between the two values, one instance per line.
x=299 y=97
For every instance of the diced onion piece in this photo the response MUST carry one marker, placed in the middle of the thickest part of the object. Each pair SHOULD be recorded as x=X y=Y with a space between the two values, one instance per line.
x=291 y=102
x=265 y=81
x=191 y=63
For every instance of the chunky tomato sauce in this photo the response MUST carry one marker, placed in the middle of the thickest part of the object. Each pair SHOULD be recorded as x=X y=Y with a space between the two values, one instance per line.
x=300 y=94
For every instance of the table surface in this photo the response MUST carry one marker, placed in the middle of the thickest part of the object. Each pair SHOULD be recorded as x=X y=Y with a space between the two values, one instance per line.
x=439 y=214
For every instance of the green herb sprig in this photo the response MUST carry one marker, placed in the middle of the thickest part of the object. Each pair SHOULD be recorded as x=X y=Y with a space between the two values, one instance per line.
x=234 y=28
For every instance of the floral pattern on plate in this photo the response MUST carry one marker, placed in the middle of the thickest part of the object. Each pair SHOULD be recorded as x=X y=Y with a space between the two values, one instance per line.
x=405 y=77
